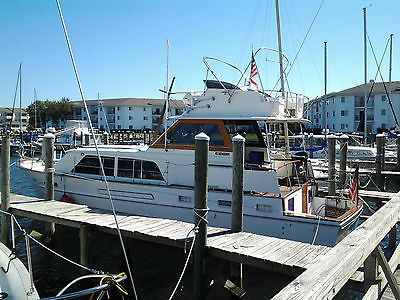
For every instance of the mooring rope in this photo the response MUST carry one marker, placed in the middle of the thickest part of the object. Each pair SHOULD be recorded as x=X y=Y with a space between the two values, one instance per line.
x=195 y=229
x=97 y=150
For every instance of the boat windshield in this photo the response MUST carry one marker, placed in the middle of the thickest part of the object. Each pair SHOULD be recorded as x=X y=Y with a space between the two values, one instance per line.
x=184 y=133
x=248 y=129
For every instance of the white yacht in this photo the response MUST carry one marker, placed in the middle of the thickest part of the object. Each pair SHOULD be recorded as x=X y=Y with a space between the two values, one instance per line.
x=158 y=180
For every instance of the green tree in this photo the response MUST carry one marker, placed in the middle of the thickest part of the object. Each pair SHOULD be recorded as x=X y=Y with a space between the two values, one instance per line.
x=48 y=110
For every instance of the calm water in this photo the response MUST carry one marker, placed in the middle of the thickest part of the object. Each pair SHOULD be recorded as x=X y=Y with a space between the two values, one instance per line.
x=155 y=268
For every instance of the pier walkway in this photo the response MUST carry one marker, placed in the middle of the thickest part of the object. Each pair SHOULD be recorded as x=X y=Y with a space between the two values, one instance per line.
x=265 y=252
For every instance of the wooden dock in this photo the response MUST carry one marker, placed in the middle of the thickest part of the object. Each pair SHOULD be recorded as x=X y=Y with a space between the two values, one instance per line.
x=265 y=252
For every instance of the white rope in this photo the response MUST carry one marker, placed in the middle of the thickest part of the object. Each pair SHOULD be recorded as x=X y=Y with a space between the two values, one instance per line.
x=14 y=219
x=316 y=231
x=97 y=150
x=195 y=229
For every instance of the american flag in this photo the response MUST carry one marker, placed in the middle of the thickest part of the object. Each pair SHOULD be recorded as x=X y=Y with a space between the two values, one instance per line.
x=353 y=189
x=253 y=71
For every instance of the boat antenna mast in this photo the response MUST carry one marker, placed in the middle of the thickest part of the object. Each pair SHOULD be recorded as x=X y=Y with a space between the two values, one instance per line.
x=285 y=124
x=278 y=28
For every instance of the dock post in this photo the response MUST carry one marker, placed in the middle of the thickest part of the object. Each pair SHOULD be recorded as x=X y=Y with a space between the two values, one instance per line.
x=74 y=139
x=84 y=235
x=393 y=237
x=200 y=214
x=237 y=201
x=398 y=151
x=48 y=154
x=370 y=271
x=379 y=163
x=331 y=165
x=5 y=189
x=87 y=139
x=311 y=144
x=82 y=138
x=343 y=160
x=105 y=138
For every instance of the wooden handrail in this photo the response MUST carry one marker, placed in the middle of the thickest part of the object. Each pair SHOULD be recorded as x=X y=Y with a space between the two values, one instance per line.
x=326 y=277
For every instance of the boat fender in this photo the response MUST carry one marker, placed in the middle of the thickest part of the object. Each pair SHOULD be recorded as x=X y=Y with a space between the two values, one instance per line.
x=66 y=199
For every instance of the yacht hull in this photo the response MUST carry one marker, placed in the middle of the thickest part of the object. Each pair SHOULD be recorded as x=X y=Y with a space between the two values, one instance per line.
x=262 y=214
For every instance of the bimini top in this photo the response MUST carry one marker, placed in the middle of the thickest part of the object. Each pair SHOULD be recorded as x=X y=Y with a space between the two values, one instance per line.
x=239 y=102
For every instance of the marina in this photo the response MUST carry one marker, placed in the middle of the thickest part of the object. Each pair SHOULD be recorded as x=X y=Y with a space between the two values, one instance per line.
x=289 y=258
x=242 y=184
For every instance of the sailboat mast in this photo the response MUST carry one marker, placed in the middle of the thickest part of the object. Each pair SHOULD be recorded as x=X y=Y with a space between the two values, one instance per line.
x=365 y=76
x=278 y=27
x=166 y=100
x=285 y=124
x=325 y=89
x=390 y=67
x=34 y=101
x=20 y=101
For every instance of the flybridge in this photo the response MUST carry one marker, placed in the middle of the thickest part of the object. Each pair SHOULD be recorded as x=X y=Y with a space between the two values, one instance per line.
x=226 y=101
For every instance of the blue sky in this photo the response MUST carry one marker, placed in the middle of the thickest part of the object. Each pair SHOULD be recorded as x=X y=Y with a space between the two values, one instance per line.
x=120 y=45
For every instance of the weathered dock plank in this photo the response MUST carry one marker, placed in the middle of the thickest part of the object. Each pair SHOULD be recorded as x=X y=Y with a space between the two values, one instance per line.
x=261 y=251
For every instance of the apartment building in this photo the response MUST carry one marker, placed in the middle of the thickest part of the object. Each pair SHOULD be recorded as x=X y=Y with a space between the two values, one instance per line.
x=7 y=115
x=126 y=113
x=345 y=109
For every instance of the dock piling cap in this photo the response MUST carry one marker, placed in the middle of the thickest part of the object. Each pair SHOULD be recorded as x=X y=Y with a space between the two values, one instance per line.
x=49 y=136
x=344 y=136
x=238 y=138
x=202 y=137
x=380 y=135
x=331 y=136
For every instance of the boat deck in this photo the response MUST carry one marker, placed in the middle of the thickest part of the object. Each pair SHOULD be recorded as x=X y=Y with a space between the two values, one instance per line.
x=262 y=251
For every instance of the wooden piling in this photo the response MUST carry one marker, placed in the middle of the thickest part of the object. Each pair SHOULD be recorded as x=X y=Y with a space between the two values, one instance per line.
x=331 y=165
x=105 y=138
x=370 y=271
x=237 y=201
x=84 y=237
x=74 y=139
x=379 y=163
x=343 y=160
x=311 y=144
x=393 y=237
x=82 y=138
x=200 y=214
x=5 y=189
x=48 y=155
x=87 y=139
x=398 y=151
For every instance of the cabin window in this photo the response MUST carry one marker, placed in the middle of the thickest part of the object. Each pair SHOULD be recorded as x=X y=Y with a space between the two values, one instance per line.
x=184 y=133
x=291 y=204
x=141 y=169
x=90 y=165
x=125 y=167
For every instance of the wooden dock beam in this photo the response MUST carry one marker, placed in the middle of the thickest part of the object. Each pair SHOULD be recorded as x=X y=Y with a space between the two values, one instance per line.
x=5 y=189
x=200 y=214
